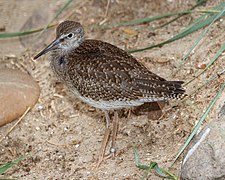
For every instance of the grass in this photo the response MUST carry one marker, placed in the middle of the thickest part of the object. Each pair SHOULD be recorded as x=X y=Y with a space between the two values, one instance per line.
x=49 y=25
x=197 y=126
x=152 y=166
x=206 y=20
x=202 y=21
x=7 y=166
x=23 y=33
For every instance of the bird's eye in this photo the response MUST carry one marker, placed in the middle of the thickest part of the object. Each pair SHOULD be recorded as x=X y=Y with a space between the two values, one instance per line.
x=70 y=35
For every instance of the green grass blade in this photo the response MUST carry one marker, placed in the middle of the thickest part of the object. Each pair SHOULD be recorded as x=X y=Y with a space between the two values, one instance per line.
x=194 y=131
x=136 y=158
x=209 y=65
x=199 y=3
x=178 y=36
x=153 y=166
x=149 y=19
x=212 y=78
x=210 y=21
x=203 y=21
x=5 y=167
x=24 y=33
x=61 y=10
x=216 y=9
x=137 y=162
x=57 y=14
x=159 y=170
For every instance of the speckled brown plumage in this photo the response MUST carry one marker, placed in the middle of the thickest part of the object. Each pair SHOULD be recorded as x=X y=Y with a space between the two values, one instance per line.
x=102 y=72
x=103 y=75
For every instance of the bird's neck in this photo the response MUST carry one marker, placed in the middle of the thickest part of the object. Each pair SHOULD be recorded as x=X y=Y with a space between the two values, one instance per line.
x=58 y=63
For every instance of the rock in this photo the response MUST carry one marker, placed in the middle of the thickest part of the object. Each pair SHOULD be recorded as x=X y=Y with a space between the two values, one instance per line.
x=18 y=91
x=205 y=158
x=222 y=110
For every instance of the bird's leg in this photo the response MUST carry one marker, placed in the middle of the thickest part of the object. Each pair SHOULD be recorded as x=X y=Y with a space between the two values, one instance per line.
x=114 y=132
x=105 y=139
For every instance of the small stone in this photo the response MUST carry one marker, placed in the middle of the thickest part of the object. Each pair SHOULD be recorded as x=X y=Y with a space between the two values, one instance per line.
x=205 y=158
x=40 y=107
x=130 y=32
x=200 y=66
x=37 y=128
x=10 y=56
x=112 y=150
x=77 y=145
x=18 y=91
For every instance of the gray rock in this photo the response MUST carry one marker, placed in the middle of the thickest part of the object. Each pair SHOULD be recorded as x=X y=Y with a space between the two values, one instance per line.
x=18 y=91
x=205 y=158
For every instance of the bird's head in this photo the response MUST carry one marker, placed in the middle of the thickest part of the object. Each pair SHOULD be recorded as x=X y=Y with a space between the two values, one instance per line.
x=69 y=35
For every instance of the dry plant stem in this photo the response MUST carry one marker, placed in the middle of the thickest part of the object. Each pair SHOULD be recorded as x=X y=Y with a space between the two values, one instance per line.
x=20 y=119
x=71 y=13
x=62 y=145
x=107 y=8
x=106 y=13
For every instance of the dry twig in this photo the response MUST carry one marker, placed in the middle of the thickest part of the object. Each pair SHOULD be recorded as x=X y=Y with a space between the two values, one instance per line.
x=20 y=119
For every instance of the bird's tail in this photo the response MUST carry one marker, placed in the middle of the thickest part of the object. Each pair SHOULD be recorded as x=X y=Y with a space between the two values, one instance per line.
x=175 y=89
x=162 y=90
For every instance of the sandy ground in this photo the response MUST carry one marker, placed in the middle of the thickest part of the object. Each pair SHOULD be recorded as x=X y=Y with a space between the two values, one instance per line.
x=62 y=134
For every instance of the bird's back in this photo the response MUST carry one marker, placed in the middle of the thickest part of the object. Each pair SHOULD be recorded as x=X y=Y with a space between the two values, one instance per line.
x=100 y=73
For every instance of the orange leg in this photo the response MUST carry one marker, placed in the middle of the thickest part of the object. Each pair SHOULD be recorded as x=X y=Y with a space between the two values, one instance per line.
x=107 y=136
x=114 y=133
x=105 y=139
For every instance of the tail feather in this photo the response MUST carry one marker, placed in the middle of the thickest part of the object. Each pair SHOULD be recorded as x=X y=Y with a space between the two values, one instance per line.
x=161 y=89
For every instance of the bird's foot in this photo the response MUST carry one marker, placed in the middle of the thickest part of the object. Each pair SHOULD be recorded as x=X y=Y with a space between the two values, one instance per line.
x=103 y=157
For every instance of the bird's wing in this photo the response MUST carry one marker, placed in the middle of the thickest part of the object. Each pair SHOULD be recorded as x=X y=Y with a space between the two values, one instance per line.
x=107 y=72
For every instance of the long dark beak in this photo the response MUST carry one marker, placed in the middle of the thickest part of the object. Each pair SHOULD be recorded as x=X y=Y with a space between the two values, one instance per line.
x=48 y=48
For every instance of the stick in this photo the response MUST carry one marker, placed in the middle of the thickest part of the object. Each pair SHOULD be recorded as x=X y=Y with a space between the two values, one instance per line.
x=20 y=119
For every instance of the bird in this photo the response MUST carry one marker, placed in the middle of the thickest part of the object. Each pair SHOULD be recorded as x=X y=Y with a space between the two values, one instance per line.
x=105 y=76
